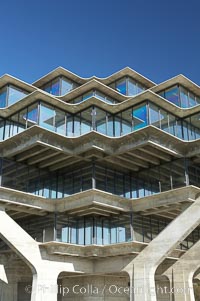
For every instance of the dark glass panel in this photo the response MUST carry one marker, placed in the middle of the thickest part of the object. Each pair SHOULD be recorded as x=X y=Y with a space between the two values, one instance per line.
x=184 y=98
x=172 y=95
x=140 y=117
x=121 y=86
x=3 y=96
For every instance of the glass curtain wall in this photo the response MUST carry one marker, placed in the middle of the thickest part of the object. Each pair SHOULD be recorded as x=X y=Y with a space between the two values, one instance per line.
x=93 y=230
x=10 y=95
x=175 y=174
x=180 y=96
x=59 y=86
x=128 y=86
x=96 y=119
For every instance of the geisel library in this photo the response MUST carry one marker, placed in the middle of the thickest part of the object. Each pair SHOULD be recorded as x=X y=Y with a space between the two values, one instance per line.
x=99 y=194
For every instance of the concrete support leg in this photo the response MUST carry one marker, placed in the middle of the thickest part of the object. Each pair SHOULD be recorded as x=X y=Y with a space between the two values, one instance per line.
x=44 y=287
x=182 y=274
x=146 y=263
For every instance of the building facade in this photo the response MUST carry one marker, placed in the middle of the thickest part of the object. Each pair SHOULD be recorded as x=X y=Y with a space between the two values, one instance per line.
x=99 y=191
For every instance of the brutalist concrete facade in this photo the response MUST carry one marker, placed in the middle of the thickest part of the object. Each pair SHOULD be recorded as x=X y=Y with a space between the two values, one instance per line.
x=99 y=194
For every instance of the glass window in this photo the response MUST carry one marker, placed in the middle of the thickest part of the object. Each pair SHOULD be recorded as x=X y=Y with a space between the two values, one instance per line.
x=32 y=115
x=117 y=125
x=100 y=117
x=126 y=121
x=140 y=117
x=172 y=95
x=47 y=117
x=60 y=125
x=88 y=232
x=154 y=116
x=3 y=96
x=172 y=124
x=66 y=86
x=132 y=87
x=86 y=121
x=121 y=86
x=184 y=97
x=77 y=125
x=80 y=233
x=69 y=125
x=106 y=232
x=2 y=122
x=164 y=120
x=192 y=100
x=110 y=125
x=55 y=88
x=14 y=95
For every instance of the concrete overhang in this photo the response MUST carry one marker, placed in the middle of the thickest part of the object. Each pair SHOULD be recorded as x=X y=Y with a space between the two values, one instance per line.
x=8 y=79
x=16 y=200
x=167 y=204
x=93 y=202
x=109 y=145
x=131 y=248
x=179 y=79
x=60 y=71
x=98 y=202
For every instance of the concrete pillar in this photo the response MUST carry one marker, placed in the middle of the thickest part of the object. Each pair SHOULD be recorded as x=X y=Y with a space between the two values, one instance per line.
x=143 y=267
x=44 y=286
x=182 y=272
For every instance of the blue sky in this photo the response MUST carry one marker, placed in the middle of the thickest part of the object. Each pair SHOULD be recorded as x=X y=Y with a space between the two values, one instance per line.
x=159 y=39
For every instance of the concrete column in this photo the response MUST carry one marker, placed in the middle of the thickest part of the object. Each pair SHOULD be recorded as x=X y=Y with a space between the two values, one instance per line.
x=44 y=286
x=182 y=272
x=145 y=264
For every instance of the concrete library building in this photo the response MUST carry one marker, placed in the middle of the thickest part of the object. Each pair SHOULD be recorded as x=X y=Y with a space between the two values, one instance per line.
x=99 y=188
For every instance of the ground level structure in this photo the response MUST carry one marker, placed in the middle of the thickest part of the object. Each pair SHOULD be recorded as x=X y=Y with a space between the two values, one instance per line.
x=99 y=188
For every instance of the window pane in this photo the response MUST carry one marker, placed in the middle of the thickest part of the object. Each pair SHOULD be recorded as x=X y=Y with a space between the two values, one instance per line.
x=100 y=117
x=3 y=94
x=132 y=87
x=1 y=128
x=69 y=125
x=184 y=97
x=15 y=95
x=77 y=123
x=121 y=86
x=66 y=86
x=32 y=117
x=173 y=95
x=86 y=121
x=117 y=125
x=140 y=117
x=60 y=122
x=154 y=115
x=126 y=122
x=55 y=89
x=192 y=101
x=47 y=116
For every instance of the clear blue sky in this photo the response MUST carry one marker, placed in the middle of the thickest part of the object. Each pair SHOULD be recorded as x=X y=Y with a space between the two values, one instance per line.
x=157 y=38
